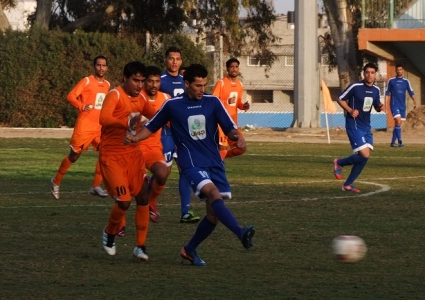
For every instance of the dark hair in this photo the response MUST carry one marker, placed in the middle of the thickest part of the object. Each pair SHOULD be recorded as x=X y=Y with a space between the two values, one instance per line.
x=398 y=66
x=99 y=57
x=172 y=49
x=195 y=70
x=370 y=65
x=133 y=68
x=152 y=71
x=230 y=61
x=182 y=68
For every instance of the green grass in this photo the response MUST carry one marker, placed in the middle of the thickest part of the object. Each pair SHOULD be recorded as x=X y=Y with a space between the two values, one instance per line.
x=51 y=249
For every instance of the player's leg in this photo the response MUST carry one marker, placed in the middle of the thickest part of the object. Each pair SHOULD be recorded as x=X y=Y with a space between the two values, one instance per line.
x=114 y=170
x=141 y=217
x=397 y=126
x=66 y=163
x=223 y=143
x=95 y=189
x=160 y=172
x=402 y=118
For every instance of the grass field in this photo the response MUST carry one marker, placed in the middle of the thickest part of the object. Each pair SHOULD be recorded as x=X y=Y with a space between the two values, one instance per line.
x=51 y=249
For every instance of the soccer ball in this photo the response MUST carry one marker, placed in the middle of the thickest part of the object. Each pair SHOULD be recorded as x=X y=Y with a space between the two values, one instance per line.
x=348 y=248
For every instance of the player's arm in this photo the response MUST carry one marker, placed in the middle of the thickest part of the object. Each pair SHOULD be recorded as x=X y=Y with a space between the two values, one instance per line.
x=234 y=135
x=352 y=112
x=143 y=134
x=74 y=96
x=412 y=94
x=377 y=104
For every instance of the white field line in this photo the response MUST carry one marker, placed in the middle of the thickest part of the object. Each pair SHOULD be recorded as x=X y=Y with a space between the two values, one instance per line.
x=382 y=188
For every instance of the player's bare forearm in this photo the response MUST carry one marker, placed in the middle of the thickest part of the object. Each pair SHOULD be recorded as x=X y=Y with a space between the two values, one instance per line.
x=236 y=137
x=143 y=134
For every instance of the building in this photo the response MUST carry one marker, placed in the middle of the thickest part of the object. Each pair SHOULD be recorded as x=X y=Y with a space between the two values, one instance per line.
x=18 y=15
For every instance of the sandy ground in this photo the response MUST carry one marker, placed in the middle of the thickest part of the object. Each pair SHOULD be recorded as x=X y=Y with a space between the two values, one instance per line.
x=296 y=135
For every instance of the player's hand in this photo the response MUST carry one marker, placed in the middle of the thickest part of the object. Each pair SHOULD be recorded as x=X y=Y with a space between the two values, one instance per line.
x=240 y=143
x=88 y=107
x=130 y=139
x=354 y=113
x=382 y=108
x=246 y=106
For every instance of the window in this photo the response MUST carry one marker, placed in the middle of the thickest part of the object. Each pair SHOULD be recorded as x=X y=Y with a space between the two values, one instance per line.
x=260 y=96
x=252 y=61
x=289 y=60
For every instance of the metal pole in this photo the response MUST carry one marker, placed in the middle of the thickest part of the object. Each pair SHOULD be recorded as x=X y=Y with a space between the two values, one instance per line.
x=363 y=13
x=391 y=13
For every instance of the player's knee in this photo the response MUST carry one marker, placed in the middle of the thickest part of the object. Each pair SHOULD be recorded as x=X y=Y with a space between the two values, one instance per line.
x=124 y=205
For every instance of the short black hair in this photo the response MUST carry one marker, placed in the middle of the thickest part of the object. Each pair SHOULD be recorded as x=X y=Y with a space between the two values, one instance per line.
x=398 y=66
x=172 y=49
x=133 y=68
x=152 y=71
x=230 y=61
x=370 y=65
x=99 y=57
x=195 y=70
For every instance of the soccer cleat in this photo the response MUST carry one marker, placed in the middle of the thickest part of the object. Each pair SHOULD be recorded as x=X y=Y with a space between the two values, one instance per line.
x=153 y=213
x=139 y=252
x=247 y=234
x=108 y=243
x=350 y=188
x=54 y=190
x=400 y=144
x=394 y=145
x=120 y=232
x=337 y=169
x=98 y=191
x=193 y=257
x=189 y=218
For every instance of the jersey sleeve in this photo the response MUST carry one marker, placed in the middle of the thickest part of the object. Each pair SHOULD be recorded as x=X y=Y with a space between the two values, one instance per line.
x=409 y=88
x=217 y=89
x=224 y=120
x=74 y=96
x=107 y=113
x=159 y=119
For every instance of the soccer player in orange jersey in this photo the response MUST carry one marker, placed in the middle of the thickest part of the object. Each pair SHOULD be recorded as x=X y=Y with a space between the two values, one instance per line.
x=87 y=96
x=229 y=90
x=123 y=166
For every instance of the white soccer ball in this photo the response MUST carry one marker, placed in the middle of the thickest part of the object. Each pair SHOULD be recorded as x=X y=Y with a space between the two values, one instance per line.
x=348 y=248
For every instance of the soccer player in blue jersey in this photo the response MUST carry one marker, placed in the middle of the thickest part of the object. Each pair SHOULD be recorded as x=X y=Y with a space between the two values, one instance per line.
x=194 y=118
x=357 y=101
x=172 y=83
x=396 y=94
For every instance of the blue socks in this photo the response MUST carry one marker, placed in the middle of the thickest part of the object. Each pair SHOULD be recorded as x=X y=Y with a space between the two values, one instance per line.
x=358 y=164
x=225 y=216
x=204 y=229
x=396 y=134
x=185 y=193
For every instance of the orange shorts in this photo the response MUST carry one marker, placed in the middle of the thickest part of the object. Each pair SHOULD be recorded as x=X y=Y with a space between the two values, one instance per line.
x=123 y=174
x=224 y=141
x=80 y=141
x=152 y=154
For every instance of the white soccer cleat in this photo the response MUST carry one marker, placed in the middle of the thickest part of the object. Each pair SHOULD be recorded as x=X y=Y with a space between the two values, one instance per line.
x=140 y=253
x=54 y=190
x=108 y=243
x=98 y=191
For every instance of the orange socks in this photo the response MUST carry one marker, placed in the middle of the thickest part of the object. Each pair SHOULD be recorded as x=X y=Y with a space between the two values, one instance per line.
x=142 y=223
x=117 y=214
x=155 y=191
x=234 y=152
x=97 y=176
x=66 y=163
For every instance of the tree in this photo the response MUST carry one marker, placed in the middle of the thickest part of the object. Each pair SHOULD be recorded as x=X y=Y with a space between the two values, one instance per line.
x=213 y=18
x=4 y=22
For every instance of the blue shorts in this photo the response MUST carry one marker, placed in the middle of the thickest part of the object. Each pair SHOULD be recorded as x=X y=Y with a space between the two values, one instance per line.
x=360 y=139
x=398 y=111
x=168 y=148
x=199 y=177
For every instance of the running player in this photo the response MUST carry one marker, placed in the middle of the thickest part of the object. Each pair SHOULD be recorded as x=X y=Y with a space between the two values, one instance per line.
x=123 y=166
x=396 y=94
x=87 y=96
x=195 y=130
x=357 y=100
x=173 y=84
x=229 y=90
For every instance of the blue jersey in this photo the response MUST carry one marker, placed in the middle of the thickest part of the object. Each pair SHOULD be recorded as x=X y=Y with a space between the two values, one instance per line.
x=362 y=97
x=173 y=86
x=194 y=129
x=397 y=87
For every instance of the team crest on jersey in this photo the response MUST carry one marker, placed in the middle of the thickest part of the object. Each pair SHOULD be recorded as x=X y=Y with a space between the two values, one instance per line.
x=196 y=125
x=99 y=100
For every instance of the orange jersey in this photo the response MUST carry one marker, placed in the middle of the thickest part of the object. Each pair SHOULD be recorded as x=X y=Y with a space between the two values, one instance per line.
x=230 y=95
x=88 y=91
x=155 y=138
x=115 y=116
